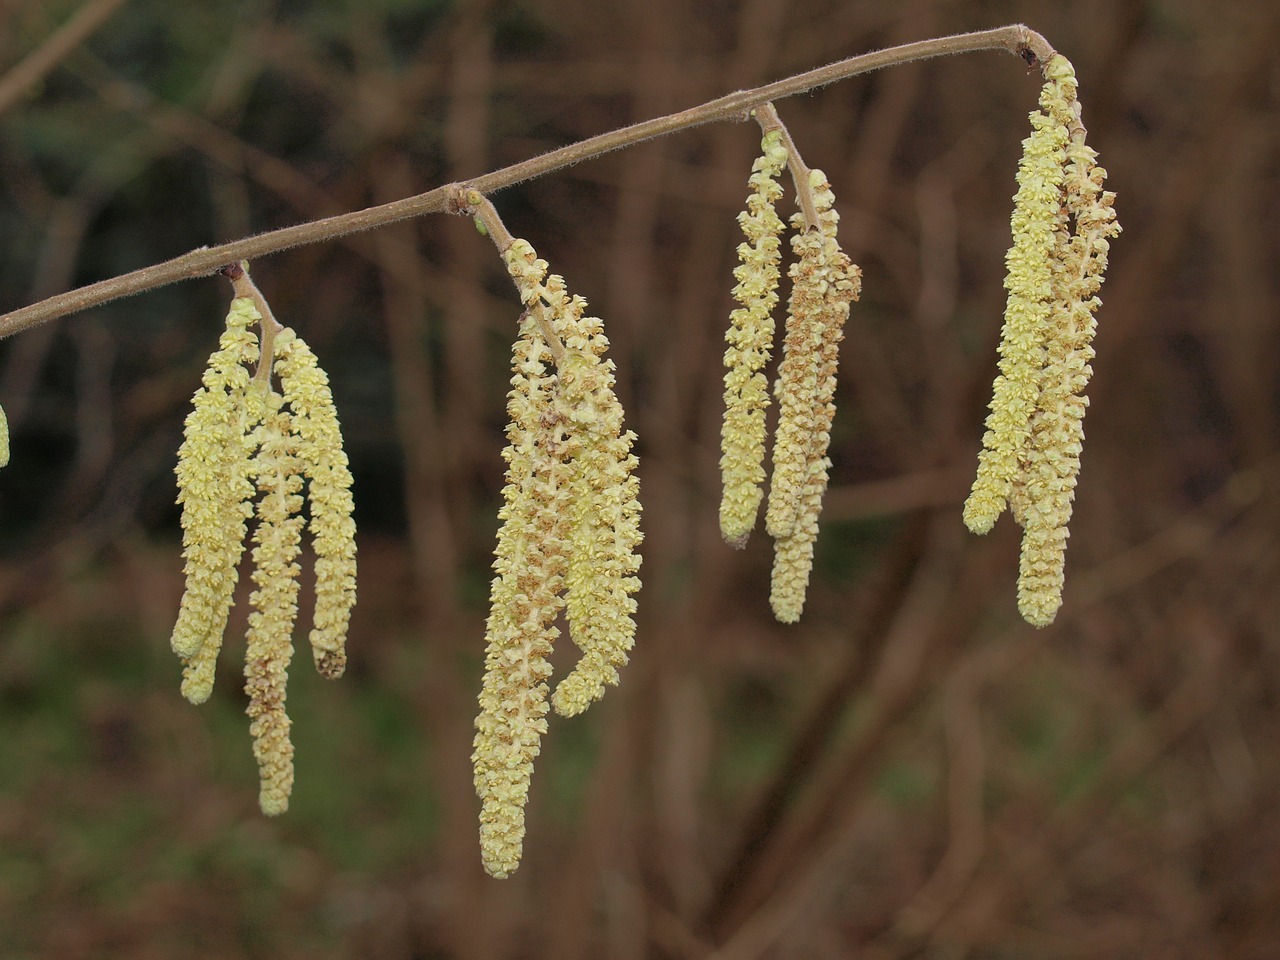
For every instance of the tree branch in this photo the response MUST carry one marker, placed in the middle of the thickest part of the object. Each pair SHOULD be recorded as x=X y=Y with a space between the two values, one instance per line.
x=204 y=261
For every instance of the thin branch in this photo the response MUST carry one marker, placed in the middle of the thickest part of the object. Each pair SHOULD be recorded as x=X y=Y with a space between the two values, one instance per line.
x=487 y=219
x=767 y=117
x=243 y=286
x=203 y=261
x=49 y=54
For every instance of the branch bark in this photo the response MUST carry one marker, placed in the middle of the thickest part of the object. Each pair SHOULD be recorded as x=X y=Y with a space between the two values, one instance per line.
x=204 y=261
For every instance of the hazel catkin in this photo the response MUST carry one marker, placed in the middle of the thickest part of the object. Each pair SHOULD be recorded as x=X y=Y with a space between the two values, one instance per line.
x=246 y=440
x=1062 y=223
x=750 y=344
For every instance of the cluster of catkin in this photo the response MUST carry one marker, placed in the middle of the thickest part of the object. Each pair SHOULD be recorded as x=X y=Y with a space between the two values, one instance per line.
x=1062 y=222
x=568 y=543
x=248 y=447
x=823 y=284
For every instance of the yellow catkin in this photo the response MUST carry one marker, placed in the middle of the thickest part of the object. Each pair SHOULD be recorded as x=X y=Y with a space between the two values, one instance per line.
x=214 y=490
x=604 y=526
x=750 y=342
x=1030 y=286
x=840 y=286
x=276 y=538
x=1086 y=223
x=244 y=439
x=606 y=516
x=333 y=531
x=529 y=567
x=568 y=539
x=824 y=282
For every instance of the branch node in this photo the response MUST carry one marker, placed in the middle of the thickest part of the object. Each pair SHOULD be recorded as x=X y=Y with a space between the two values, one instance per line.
x=487 y=220
x=1032 y=47
x=457 y=199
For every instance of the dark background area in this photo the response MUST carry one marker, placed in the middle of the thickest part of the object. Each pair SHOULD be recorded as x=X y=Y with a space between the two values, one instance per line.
x=909 y=772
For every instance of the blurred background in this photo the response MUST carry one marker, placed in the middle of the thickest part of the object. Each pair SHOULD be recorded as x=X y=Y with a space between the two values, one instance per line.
x=909 y=772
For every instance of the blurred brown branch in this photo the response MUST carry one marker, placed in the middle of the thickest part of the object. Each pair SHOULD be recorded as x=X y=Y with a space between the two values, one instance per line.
x=55 y=49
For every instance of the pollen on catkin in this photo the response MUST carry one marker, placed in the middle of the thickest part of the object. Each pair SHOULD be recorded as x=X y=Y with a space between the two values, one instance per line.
x=245 y=439
x=604 y=558
x=824 y=284
x=750 y=342
x=604 y=530
x=1063 y=222
x=525 y=599
x=214 y=489
x=333 y=531
x=1030 y=286
x=1086 y=223
x=569 y=536
x=277 y=537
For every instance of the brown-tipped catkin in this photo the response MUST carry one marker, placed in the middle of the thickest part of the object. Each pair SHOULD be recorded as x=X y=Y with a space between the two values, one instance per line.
x=323 y=461
x=824 y=284
x=269 y=649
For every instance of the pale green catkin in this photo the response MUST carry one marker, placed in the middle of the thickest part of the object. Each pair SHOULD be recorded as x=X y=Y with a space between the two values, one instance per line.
x=750 y=343
x=568 y=542
x=244 y=439
x=1062 y=223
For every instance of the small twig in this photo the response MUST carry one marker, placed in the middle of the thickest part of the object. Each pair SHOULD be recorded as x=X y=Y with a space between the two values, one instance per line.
x=767 y=116
x=55 y=48
x=487 y=219
x=243 y=286
x=203 y=261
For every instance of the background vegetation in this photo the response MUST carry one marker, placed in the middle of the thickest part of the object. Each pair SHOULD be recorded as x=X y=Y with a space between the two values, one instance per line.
x=911 y=771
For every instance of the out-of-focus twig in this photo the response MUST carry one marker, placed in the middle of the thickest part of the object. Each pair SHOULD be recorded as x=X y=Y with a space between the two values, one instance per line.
x=49 y=54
